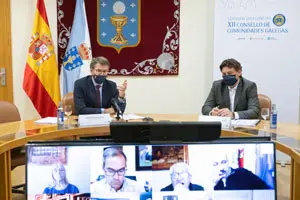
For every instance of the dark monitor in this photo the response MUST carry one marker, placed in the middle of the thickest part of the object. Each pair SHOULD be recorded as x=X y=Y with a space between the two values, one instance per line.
x=164 y=131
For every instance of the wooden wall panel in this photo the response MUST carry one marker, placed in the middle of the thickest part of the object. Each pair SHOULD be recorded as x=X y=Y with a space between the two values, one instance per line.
x=6 y=92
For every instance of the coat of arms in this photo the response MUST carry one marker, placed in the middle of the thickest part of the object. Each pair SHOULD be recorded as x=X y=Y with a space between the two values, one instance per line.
x=41 y=48
x=119 y=23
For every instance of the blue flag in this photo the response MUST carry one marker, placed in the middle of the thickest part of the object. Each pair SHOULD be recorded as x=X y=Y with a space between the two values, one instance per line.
x=76 y=62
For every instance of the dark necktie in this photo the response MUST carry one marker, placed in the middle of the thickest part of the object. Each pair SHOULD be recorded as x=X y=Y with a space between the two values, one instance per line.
x=98 y=100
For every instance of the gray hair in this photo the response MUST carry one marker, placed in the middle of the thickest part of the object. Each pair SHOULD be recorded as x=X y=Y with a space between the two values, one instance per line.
x=180 y=164
x=112 y=152
x=99 y=60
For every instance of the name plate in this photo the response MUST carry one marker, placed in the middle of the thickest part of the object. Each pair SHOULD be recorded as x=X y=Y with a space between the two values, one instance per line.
x=225 y=121
x=94 y=120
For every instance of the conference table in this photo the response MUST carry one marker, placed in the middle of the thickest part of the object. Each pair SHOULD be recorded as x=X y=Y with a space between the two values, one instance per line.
x=17 y=134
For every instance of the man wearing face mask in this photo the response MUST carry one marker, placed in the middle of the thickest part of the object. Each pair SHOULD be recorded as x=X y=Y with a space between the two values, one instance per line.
x=233 y=96
x=94 y=94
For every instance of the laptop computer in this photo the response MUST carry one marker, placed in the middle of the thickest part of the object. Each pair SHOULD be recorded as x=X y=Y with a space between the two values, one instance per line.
x=222 y=169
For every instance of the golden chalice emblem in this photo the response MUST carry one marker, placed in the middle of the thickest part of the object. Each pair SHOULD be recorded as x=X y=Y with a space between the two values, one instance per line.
x=119 y=21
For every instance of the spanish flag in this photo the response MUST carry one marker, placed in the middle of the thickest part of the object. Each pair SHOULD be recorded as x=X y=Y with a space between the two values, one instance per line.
x=41 y=79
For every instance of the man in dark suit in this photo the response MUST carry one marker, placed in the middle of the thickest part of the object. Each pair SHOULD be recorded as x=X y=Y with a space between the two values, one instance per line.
x=181 y=179
x=233 y=96
x=228 y=178
x=94 y=94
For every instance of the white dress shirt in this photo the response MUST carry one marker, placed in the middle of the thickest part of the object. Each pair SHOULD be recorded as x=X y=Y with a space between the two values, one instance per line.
x=101 y=189
x=121 y=99
x=232 y=92
x=100 y=92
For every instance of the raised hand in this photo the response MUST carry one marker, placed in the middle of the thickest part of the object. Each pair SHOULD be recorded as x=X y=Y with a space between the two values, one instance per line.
x=122 y=88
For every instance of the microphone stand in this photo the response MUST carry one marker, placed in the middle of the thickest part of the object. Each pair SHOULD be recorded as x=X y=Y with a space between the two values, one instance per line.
x=118 y=115
x=117 y=109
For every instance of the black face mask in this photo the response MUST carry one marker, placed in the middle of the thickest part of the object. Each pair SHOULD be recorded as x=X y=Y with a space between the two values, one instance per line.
x=99 y=79
x=229 y=80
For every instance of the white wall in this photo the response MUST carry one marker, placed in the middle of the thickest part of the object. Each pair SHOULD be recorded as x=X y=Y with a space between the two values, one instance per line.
x=184 y=93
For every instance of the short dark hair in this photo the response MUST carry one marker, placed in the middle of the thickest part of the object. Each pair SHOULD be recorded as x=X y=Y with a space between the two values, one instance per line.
x=99 y=60
x=112 y=152
x=231 y=63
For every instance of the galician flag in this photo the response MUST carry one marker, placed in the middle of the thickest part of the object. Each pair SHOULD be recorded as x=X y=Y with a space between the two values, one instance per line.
x=41 y=79
x=76 y=62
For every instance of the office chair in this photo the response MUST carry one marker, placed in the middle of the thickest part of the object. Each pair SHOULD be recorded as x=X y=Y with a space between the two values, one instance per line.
x=265 y=102
x=10 y=113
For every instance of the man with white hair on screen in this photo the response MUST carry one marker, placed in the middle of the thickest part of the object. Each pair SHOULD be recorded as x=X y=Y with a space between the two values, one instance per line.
x=181 y=179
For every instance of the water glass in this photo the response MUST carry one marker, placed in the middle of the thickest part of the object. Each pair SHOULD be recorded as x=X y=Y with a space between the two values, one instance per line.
x=68 y=112
x=265 y=113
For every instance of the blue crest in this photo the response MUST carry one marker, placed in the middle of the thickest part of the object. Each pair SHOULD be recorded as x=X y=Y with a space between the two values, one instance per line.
x=279 y=19
x=119 y=23
x=72 y=59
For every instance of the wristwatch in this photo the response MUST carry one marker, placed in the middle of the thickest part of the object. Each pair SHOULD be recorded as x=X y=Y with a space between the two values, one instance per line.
x=233 y=115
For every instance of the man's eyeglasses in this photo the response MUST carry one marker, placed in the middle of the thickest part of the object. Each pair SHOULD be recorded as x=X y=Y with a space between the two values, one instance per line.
x=112 y=172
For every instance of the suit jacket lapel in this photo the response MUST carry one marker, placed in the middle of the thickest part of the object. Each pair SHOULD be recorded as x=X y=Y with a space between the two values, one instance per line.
x=104 y=94
x=92 y=90
x=226 y=96
x=238 y=93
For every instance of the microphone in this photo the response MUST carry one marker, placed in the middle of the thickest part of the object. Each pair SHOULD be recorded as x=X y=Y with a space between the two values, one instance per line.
x=115 y=105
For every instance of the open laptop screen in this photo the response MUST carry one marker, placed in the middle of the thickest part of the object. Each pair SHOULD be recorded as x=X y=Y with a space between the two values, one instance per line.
x=81 y=170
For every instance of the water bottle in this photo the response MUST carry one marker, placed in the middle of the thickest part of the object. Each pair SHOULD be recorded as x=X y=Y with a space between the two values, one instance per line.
x=273 y=119
x=60 y=115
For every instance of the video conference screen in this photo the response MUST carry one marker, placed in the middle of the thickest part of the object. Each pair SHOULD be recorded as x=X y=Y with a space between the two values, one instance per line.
x=84 y=171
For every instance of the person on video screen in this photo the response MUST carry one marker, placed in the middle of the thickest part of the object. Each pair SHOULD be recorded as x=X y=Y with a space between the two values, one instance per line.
x=60 y=182
x=157 y=156
x=114 y=181
x=227 y=178
x=181 y=179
